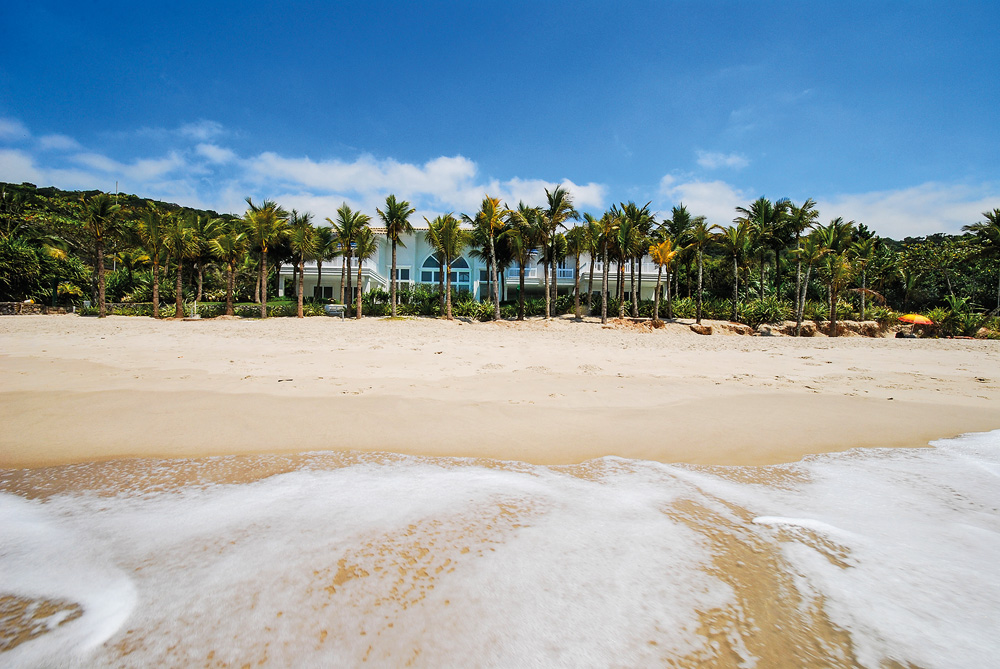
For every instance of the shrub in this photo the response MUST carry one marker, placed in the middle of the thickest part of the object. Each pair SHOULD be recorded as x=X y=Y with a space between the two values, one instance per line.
x=769 y=310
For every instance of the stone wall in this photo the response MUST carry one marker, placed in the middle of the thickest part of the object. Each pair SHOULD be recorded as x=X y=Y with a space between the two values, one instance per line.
x=14 y=308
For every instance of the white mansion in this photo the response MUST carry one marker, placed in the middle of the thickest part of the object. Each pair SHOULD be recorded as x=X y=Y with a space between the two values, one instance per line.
x=417 y=263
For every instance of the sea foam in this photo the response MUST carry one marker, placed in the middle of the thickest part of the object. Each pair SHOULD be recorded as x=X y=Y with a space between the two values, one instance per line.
x=859 y=558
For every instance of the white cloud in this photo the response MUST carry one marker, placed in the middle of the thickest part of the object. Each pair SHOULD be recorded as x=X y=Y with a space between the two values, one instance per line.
x=715 y=200
x=140 y=171
x=920 y=210
x=714 y=160
x=11 y=130
x=215 y=154
x=17 y=167
x=201 y=130
x=58 y=143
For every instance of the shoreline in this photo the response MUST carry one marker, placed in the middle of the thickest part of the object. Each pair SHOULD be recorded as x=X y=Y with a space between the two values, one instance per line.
x=544 y=392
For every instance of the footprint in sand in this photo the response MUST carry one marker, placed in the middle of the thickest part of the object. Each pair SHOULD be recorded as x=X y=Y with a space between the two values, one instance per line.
x=492 y=365
x=590 y=369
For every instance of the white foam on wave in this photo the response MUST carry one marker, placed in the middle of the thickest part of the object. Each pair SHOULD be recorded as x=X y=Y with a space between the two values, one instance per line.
x=44 y=556
x=438 y=562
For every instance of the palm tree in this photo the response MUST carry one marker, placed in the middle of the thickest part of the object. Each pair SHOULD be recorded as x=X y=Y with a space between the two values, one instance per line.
x=799 y=220
x=700 y=236
x=151 y=233
x=490 y=220
x=433 y=239
x=810 y=252
x=230 y=247
x=764 y=220
x=593 y=248
x=523 y=235
x=734 y=241
x=327 y=248
x=663 y=255
x=346 y=229
x=365 y=248
x=863 y=251
x=205 y=229
x=640 y=222
x=836 y=239
x=576 y=244
x=396 y=220
x=180 y=243
x=100 y=218
x=453 y=240
x=559 y=209
x=267 y=225
x=302 y=239
x=988 y=234
x=677 y=227
x=609 y=225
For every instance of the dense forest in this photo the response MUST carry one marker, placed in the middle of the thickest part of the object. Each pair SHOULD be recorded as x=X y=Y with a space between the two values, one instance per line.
x=776 y=261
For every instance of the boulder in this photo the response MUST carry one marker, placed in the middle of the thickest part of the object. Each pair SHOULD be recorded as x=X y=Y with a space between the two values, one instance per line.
x=701 y=329
x=768 y=330
x=735 y=328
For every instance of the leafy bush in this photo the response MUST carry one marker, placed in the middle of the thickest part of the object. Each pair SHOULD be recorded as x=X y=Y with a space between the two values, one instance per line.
x=881 y=314
x=769 y=310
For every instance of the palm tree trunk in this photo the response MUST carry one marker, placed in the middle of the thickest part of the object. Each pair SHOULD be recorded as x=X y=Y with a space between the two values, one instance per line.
x=621 y=289
x=441 y=282
x=263 y=285
x=801 y=307
x=357 y=302
x=638 y=294
x=520 y=292
x=349 y=293
x=656 y=294
x=798 y=267
x=493 y=276
x=555 y=283
x=590 y=287
x=635 y=297
x=736 y=289
x=447 y=292
x=670 y=296
x=298 y=290
x=102 y=307
x=762 y=266
x=178 y=291
x=343 y=277
x=318 y=291
x=201 y=276
x=392 y=282
x=700 y=268
x=864 y=287
x=548 y=295
x=604 y=283
x=256 y=288
x=576 y=288
x=833 y=313
x=156 y=290
x=230 y=282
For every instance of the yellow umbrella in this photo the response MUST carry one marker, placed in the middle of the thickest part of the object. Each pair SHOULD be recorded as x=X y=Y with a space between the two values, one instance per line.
x=916 y=319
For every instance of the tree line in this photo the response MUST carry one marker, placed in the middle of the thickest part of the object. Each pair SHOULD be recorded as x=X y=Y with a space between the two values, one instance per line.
x=773 y=257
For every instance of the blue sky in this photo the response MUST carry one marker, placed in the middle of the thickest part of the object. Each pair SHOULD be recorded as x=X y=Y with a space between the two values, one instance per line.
x=887 y=113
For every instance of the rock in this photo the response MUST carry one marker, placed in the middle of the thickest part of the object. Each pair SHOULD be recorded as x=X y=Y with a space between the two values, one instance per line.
x=735 y=328
x=701 y=329
x=768 y=330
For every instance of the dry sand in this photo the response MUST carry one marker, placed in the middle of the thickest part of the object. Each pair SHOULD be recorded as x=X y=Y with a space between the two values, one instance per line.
x=76 y=389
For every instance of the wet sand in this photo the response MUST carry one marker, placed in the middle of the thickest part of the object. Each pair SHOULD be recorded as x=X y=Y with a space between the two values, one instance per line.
x=78 y=389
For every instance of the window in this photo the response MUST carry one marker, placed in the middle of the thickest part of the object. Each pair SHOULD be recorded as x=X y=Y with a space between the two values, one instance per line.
x=402 y=274
x=430 y=272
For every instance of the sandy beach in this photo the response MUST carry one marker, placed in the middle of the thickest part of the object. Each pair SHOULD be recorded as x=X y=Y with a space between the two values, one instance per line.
x=78 y=389
x=425 y=493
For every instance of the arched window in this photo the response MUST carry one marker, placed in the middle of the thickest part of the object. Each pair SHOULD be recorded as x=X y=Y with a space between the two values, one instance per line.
x=461 y=277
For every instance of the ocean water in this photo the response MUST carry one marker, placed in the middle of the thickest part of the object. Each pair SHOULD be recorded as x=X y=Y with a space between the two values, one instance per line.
x=872 y=558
